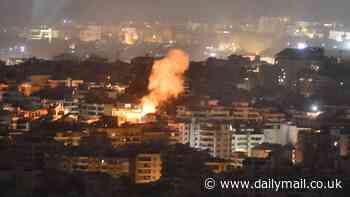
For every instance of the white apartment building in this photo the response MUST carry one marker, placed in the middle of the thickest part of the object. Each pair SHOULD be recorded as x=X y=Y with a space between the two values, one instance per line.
x=245 y=138
x=215 y=137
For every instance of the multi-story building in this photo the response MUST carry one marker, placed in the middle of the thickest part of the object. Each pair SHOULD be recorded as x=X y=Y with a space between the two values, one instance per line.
x=342 y=140
x=272 y=116
x=33 y=112
x=182 y=135
x=20 y=125
x=148 y=168
x=43 y=33
x=71 y=107
x=204 y=113
x=92 y=110
x=32 y=153
x=243 y=112
x=69 y=138
x=90 y=33
x=272 y=133
x=140 y=133
x=245 y=138
x=293 y=62
x=339 y=36
x=220 y=165
x=316 y=149
x=344 y=144
x=116 y=166
x=128 y=113
x=215 y=137
x=282 y=133
x=14 y=122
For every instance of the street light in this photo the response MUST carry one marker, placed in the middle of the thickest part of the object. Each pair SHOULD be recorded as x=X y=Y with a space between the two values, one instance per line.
x=314 y=108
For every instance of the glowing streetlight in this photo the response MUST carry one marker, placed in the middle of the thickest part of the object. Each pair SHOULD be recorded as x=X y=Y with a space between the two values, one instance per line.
x=314 y=108
x=302 y=45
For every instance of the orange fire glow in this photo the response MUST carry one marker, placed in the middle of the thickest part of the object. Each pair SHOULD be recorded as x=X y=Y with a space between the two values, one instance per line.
x=166 y=80
x=148 y=106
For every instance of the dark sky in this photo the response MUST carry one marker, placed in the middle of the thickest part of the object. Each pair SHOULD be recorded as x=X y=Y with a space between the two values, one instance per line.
x=25 y=11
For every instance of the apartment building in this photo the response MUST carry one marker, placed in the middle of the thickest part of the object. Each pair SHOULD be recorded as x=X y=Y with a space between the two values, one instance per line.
x=148 y=168
x=244 y=138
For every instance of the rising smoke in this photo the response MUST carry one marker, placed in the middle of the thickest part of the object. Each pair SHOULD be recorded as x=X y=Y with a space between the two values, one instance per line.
x=166 y=80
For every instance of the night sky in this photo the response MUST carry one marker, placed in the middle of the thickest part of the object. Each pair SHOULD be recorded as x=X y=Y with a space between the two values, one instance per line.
x=25 y=11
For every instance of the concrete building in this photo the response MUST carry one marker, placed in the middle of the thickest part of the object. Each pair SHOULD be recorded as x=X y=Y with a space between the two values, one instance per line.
x=71 y=107
x=342 y=140
x=344 y=144
x=245 y=141
x=220 y=165
x=271 y=115
x=204 y=113
x=139 y=133
x=69 y=138
x=116 y=166
x=282 y=133
x=127 y=113
x=148 y=168
x=316 y=149
x=90 y=33
x=244 y=112
x=183 y=135
x=92 y=110
x=215 y=137
x=43 y=33
x=295 y=61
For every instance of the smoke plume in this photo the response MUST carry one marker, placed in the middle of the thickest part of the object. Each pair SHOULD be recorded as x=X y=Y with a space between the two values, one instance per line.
x=166 y=79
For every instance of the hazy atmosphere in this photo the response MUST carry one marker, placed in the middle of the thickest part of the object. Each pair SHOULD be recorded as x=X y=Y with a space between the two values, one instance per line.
x=174 y=98
x=24 y=11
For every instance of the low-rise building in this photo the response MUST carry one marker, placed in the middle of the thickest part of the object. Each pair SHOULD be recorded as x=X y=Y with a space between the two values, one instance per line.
x=220 y=165
x=116 y=166
x=69 y=138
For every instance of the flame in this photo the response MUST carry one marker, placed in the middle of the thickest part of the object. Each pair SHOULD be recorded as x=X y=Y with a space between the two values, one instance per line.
x=166 y=80
x=148 y=107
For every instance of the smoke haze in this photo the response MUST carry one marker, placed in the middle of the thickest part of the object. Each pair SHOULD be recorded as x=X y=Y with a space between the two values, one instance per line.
x=166 y=79
x=22 y=11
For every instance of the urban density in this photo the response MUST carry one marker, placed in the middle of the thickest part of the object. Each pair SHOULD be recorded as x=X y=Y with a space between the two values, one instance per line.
x=173 y=106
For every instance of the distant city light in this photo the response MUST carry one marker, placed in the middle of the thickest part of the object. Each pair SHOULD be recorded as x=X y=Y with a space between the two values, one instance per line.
x=302 y=45
x=22 y=49
x=213 y=54
x=335 y=143
x=314 y=108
